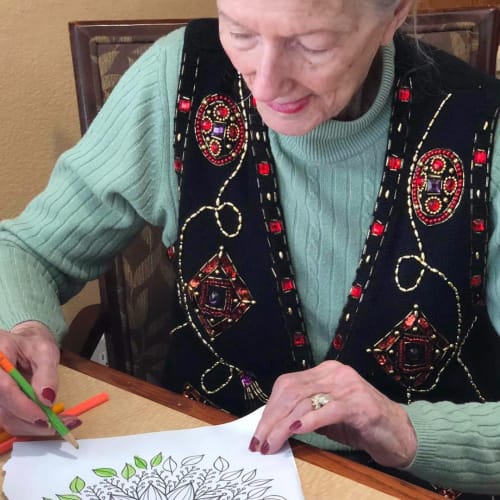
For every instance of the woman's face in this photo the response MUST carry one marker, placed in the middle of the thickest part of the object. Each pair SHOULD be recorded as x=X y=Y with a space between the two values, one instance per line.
x=303 y=60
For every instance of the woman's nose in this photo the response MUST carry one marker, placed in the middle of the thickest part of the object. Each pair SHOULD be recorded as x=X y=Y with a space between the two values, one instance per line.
x=271 y=75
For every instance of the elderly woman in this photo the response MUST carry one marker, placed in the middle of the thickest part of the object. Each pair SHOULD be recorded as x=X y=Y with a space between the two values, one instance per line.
x=332 y=195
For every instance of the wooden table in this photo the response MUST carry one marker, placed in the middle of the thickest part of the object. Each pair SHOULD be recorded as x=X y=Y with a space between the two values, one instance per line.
x=136 y=406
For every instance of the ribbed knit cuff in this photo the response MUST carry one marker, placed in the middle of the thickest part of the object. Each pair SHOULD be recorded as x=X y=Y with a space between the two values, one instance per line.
x=458 y=445
x=428 y=441
x=27 y=292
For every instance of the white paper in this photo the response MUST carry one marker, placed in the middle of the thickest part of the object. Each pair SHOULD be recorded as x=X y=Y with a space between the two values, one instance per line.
x=205 y=463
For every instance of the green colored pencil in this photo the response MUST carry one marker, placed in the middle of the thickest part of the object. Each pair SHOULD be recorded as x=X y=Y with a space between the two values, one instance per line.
x=25 y=386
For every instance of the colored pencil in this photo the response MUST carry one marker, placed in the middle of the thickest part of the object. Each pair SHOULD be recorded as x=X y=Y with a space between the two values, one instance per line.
x=57 y=408
x=76 y=410
x=25 y=386
x=88 y=404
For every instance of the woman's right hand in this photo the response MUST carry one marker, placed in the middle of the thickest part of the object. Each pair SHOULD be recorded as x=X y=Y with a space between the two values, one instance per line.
x=33 y=350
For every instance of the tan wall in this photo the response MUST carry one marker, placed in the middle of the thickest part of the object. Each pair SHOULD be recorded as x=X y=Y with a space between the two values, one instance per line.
x=38 y=111
x=456 y=4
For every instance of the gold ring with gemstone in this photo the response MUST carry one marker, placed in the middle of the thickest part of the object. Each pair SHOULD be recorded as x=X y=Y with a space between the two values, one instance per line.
x=319 y=400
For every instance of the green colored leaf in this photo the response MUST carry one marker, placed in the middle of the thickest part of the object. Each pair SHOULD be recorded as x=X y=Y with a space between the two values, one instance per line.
x=105 y=472
x=140 y=462
x=128 y=472
x=156 y=460
x=77 y=485
x=68 y=497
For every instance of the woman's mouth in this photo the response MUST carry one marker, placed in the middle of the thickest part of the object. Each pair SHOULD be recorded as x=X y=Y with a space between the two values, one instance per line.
x=289 y=108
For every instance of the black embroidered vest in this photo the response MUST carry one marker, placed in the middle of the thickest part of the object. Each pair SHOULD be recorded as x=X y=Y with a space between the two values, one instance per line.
x=415 y=323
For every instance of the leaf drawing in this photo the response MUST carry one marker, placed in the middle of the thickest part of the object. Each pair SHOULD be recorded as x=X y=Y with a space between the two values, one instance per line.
x=258 y=492
x=195 y=477
x=249 y=476
x=231 y=476
x=105 y=472
x=170 y=465
x=156 y=460
x=140 y=463
x=77 y=485
x=128 y=471
x=221 y=464
x=194 y=460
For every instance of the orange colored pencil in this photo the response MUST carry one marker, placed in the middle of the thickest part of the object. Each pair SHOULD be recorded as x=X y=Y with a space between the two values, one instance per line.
x=88 y=404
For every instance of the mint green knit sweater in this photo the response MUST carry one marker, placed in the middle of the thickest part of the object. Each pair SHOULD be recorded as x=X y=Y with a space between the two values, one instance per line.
x=120 y=174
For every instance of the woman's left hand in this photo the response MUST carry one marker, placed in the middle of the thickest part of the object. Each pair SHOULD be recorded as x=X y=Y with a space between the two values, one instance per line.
x=356 y=414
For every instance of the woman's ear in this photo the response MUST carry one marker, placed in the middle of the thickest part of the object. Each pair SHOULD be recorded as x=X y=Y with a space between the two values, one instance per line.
x=399 y=14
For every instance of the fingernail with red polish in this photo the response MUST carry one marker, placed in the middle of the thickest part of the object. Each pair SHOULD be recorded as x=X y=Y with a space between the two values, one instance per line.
x=41 y=423
x=49 y=394
x=254 y=444
x=295 y=426
x=264 y=449
x=73 y=424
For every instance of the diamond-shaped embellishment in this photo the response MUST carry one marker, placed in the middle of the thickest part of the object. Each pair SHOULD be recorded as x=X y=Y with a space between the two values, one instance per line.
x=220 y=294
x=412 y=352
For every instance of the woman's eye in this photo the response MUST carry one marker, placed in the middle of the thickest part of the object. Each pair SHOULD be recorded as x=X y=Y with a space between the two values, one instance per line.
x=311 y=50
x=241 y=36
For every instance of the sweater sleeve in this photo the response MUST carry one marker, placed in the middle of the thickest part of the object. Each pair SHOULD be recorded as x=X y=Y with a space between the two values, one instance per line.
x=459 y=445
x=98 y=197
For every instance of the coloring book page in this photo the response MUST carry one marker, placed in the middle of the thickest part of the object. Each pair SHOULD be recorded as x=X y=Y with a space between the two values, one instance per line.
x=205 y=463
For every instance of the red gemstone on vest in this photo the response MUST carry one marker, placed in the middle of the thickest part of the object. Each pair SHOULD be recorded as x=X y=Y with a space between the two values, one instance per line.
x=171 y=252
x=434 y=205
x=409 y=321
x=356 y=291
x=438 y=164
x=394 y=163
x=420 y=181
x=338 y=342
x=178 y=166
x=423 y=323
x=223 y=112
x=404 y=94
x=275 y=226
x=264 y=168
x=377 y=229
x=287 y=284
x=184 y=105
x=215 y=148
x=206 y=125
x=478 y=225
x=450 y=185
x=254 y=102
x=299 y=339
x=476 y=281
x=480 y=156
